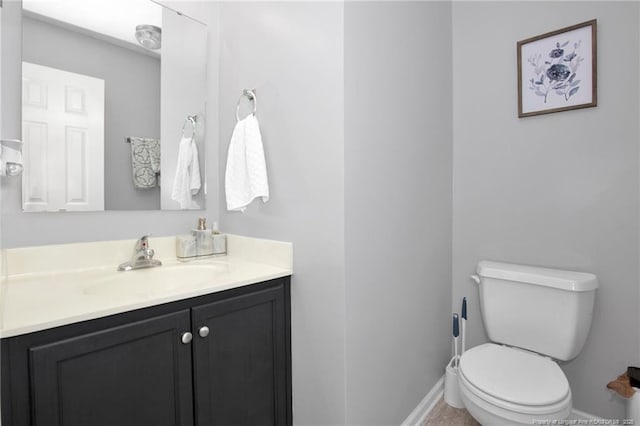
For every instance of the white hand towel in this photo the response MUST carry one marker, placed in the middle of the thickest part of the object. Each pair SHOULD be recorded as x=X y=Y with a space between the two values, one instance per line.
x=187 y=180
x=246 y=174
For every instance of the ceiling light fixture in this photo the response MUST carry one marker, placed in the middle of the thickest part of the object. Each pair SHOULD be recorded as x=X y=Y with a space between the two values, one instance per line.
x=149 y=36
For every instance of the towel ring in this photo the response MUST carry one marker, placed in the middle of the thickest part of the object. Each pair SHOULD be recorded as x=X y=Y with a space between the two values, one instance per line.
x=251 y=95
x=193 y=119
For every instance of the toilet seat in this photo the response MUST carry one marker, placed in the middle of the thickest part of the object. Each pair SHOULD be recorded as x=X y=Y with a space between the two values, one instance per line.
x=514 y=381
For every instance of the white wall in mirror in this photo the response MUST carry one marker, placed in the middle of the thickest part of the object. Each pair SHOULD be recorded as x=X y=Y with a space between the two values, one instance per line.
x=183 y=82
x=147 y=95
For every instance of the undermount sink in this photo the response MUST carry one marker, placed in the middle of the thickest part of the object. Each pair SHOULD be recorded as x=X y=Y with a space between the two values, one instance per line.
x=157 y=280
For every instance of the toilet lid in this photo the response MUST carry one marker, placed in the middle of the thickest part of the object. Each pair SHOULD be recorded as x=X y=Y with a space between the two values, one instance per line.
x=514 y=375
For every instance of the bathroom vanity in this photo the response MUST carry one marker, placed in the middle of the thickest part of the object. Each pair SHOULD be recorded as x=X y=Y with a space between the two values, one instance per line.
x=186 y=354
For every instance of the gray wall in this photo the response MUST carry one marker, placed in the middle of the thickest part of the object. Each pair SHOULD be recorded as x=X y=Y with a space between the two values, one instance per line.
x=3 y=266
x=132 y=99
x=559 y=190
x=292 y=54
x=25 y=229
x=398 y=167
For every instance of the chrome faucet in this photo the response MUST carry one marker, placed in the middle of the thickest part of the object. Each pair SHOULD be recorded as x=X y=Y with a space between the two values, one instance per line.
x=142 y=256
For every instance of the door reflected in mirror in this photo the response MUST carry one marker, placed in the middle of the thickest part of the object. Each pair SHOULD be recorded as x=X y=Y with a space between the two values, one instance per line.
x=108 y=89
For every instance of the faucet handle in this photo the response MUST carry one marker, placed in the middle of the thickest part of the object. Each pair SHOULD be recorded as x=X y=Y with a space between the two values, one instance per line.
x=143 y=243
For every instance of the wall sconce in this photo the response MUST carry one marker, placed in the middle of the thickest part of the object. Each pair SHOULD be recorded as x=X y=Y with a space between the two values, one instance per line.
x=10 y=157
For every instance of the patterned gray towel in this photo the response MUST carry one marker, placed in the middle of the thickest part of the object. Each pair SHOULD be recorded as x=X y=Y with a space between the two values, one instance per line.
x=145 y=162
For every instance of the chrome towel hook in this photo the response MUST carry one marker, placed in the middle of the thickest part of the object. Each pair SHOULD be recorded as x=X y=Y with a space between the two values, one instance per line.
x=251 y=95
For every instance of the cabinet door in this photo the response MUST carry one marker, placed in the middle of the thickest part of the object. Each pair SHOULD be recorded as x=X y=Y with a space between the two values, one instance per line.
x=240 y=366
x=138 y=374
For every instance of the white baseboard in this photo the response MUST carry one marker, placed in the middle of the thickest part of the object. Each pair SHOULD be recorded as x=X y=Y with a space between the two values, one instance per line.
x=420 y=413
x=581 y=415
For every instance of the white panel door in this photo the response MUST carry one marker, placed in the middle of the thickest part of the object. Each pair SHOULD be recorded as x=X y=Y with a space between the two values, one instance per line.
x=63 y=133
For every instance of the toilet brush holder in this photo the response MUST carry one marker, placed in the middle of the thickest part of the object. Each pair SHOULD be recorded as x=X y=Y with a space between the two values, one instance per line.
x=633 y=407
x=451 y=387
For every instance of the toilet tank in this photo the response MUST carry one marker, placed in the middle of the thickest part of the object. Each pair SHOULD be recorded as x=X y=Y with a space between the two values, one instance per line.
x=543 y=310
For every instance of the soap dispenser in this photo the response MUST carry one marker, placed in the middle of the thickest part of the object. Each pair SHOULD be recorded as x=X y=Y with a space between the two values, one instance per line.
x=204 y=242
x=219 y=240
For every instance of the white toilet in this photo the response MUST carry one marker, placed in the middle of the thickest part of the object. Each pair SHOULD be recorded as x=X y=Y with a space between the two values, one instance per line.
x=535 y=316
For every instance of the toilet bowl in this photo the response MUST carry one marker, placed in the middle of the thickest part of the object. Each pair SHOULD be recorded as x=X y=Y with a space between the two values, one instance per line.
x=500 y=385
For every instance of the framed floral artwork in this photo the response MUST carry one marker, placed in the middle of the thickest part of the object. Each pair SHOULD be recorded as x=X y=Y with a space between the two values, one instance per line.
x=557 y=70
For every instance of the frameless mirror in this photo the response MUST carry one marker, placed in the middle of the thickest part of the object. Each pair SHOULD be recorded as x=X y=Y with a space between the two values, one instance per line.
x=113 y=106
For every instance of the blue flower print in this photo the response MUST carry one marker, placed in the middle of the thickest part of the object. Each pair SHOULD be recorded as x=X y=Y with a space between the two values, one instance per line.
x=556 y=72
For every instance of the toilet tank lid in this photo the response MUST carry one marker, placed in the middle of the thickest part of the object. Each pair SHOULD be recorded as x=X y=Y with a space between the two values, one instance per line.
x=556 y=278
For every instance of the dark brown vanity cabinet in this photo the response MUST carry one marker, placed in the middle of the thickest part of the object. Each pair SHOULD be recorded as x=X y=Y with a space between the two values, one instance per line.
x=218 y=359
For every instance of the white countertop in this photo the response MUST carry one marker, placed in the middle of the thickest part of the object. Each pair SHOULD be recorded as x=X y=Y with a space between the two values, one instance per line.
x=51 y=286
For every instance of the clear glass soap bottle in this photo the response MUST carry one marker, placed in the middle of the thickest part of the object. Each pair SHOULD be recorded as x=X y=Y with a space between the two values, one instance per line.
x=204 y=240
x=219 y=240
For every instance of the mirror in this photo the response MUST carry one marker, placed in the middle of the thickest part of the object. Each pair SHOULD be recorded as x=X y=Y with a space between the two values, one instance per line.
x=112 y=93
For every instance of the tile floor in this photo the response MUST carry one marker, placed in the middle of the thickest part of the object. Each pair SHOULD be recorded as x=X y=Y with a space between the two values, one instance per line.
x=445 y=415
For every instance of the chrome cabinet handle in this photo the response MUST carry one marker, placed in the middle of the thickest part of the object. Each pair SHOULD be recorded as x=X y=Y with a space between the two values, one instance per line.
x=203 y=331
x=186 y=337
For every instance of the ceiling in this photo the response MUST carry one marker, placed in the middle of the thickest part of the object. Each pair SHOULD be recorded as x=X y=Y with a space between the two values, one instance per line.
x=114 y=18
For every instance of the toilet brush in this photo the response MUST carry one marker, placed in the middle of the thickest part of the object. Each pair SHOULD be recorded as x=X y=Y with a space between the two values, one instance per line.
x=464 y=325
x=456 y=333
